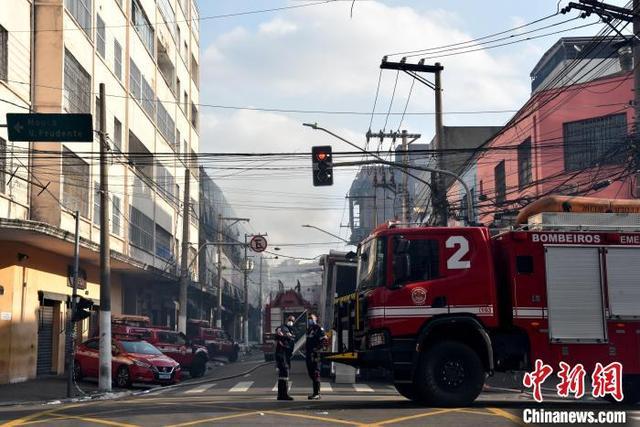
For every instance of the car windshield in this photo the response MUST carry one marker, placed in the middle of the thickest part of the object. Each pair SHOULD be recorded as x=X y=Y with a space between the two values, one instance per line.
x=139 y=347
x=371 y=257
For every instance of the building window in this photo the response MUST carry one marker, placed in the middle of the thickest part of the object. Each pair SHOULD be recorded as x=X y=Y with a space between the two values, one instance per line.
x=101 y=42
x=117 y=59
x=142 y=90
x=117 y=134
x=75 y=183
x=98 y=114
x=141 y=230
x=143 y=26
x=166 y=125
x=195 y=71
x=501 y=184
x=3 y=165
x=141 y=158
x=186 y=104
x=524 y=164
x=166 y=67
x=96 y=203
x=166 y=182
x=135 y=81
x=176 y=145
x=194 y=116
x=4 y=53
x=77 y=86
x=163 y=243
x=115 y=215
x=81 y=11
x=595 y=141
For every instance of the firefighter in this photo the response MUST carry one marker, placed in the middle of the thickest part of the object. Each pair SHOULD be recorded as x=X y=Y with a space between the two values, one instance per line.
x=284 y=347
x=316 y=340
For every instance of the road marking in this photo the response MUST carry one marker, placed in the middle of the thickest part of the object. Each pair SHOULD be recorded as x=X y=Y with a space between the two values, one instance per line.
x=413 y=417
x=93 y=420
x=241 y=386
x=325 y=387
x=246 y=375
x=200 y=389
x=312 y=417
x=208 y=420
x=362 y=387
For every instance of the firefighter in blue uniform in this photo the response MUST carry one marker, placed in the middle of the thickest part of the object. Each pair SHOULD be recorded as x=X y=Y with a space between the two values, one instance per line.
x=316 y=340
x=285 y=337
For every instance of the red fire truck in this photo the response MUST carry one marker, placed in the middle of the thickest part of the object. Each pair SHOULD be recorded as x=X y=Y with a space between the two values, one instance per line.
x=286 y=303
x=443 y=307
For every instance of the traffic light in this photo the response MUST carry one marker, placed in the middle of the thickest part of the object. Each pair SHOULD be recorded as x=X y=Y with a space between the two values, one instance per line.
x=322 y=165
x=82 y=309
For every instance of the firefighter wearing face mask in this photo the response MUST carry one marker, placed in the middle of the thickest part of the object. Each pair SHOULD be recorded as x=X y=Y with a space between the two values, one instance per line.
x=316 y=340
x=285 y=337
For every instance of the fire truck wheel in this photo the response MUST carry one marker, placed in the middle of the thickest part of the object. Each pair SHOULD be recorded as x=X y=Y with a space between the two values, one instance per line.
x=450 y=374
x=410 y=391
x=123 y=377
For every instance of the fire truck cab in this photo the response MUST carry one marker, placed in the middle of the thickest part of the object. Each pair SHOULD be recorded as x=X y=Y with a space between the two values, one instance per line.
x=442 y=307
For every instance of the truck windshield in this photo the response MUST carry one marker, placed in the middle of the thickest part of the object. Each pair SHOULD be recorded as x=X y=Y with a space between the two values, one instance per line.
x=371 y=264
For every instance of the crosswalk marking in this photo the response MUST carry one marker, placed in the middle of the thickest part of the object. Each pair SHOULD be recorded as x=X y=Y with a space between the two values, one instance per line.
x=241 y=386
x=275 y=387
x=362 y=387
x=325 y=387
x=200 y=389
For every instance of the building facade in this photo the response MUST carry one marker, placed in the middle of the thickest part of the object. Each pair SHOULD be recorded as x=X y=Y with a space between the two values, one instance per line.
x=54 y=54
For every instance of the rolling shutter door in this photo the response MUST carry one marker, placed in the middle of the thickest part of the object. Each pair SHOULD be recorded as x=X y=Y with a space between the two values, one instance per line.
x=574 y=294
x=623 y=280
x=45 y=340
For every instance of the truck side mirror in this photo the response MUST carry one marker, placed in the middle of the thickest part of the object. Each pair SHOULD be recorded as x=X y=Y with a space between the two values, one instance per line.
x=401 y=268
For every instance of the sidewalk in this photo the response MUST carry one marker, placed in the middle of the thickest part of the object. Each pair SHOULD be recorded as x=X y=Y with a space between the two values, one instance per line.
x=41 y=390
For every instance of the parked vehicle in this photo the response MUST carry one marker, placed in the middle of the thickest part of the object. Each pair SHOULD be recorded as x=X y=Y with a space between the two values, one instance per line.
x=441 y=307
x=134 y=361
x=216 y=340
x=192 y=357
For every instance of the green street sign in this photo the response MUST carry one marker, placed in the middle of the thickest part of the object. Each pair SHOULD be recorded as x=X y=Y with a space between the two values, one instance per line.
x=50 y=127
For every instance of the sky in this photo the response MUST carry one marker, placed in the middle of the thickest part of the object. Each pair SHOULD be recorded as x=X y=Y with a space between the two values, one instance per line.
x=318 y=57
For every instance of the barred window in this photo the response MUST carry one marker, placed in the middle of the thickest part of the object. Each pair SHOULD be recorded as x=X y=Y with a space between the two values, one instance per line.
x=81 y=11
x=141 y=90
x=140 y=157
x=117 y=134
x=135 y=81
x=77 y=86
x=166 y=182
x=101 y=41
x=195 y=71
x=163 y=243
x=501 y=183
x=115 y=215
x=596 y=141
x=117 y=59
x=4 y=53
x=524 y=164
x=142 y=25
x=141 y=230
x=166 y=125
x=148 y=98
x=75 y=183
x=194 y=116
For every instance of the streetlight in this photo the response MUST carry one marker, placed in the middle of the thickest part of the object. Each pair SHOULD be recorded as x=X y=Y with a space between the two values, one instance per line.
x=326 y=232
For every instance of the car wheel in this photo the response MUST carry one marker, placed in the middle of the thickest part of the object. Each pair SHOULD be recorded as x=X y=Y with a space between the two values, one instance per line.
x=198 y=368
x=410 y=391
x=77 y=371
x=450 y=374
x=123 y=377
x=233 y=356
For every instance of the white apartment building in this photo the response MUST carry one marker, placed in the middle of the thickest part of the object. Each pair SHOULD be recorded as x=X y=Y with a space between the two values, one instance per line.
x=54 y=54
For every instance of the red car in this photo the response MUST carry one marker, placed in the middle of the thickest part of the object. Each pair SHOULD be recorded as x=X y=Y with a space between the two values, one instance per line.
x=134 y=361
x=216 y=341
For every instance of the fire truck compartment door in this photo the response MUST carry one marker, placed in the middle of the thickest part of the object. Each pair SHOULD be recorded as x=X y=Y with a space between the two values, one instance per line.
x=623 y=273
x=574 y=294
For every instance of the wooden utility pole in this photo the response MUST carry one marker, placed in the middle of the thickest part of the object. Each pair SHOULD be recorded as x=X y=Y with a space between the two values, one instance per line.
x=105 y=356
x=184 y=256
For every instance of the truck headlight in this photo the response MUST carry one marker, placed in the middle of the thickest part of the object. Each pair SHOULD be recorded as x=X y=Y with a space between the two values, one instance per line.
x=376 y=339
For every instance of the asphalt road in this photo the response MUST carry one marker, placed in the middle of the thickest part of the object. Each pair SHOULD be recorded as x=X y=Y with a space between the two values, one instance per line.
x=249 y=400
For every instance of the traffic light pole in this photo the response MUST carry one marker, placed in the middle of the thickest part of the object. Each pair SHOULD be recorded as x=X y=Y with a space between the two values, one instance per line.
x=70 y=333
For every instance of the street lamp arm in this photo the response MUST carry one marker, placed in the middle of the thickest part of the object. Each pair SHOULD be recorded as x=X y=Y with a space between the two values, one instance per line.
x=326 y=232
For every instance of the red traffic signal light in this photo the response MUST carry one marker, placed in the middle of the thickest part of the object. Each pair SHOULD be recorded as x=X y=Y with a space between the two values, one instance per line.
x=322 y=161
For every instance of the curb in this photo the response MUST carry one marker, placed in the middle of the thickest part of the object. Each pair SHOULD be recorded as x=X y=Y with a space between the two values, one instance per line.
x=121 y=394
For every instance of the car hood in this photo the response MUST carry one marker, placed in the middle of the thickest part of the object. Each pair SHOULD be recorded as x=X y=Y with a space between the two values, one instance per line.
x=155 y=359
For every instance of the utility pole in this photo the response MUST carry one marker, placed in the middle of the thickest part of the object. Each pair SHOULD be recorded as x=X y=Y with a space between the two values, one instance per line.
x=184 y=256
x=404 y=136
x=70 y=332
x=219 y=251
x=105 y=377
x=437 y=187
x=260 y=304
x=245 y=319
